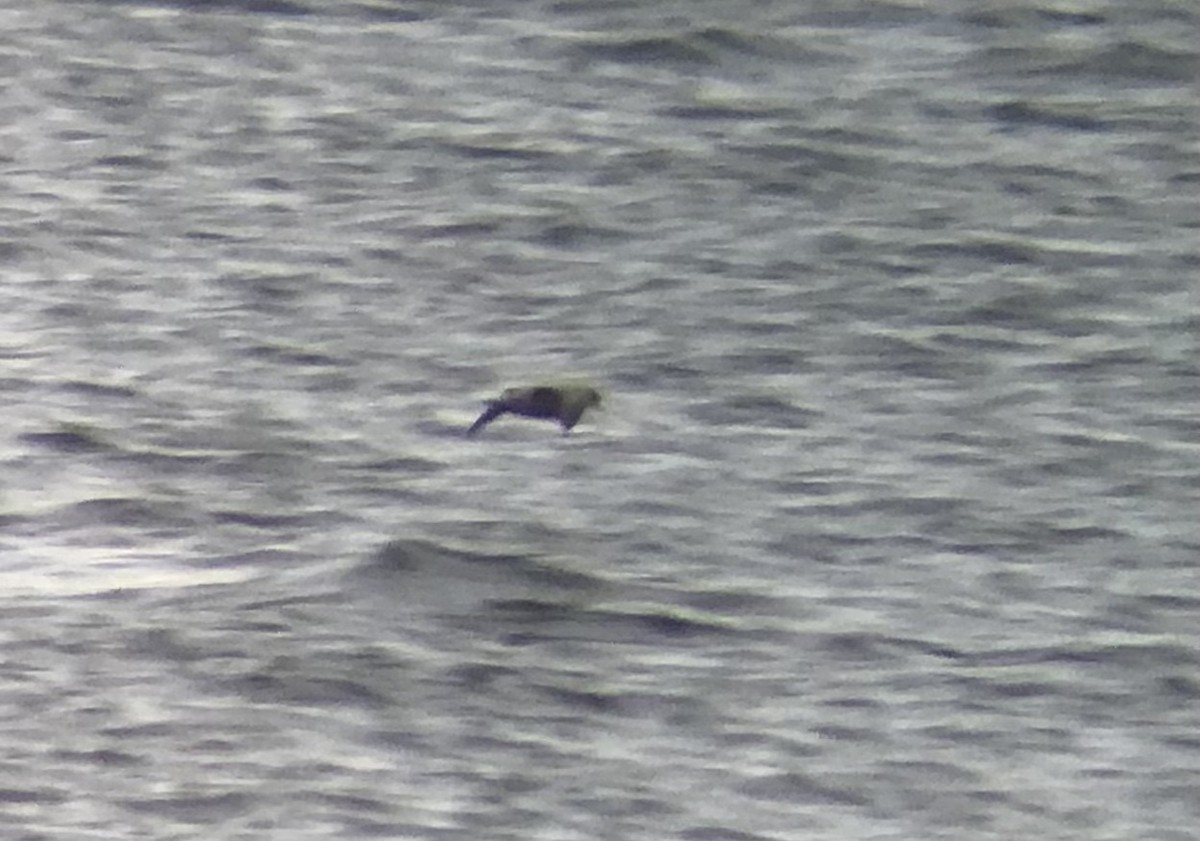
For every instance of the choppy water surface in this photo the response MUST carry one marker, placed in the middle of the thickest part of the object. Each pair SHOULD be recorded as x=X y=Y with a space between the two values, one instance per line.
x=888 y=530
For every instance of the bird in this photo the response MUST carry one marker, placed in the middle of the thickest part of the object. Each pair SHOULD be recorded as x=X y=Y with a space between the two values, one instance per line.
x=564 y=402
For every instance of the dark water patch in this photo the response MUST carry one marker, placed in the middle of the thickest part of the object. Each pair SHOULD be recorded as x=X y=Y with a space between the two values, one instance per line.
x=456 y=578
x=1182 y=688
x=12 y=251
x=122 y=511
x=169 y=461
x=681 y=50
x=1001 y=686
x=261 y=520
x=1008 y=253
x=145 y=163
x=1136 y=61
x=1130 y=63
x=857 y=647
x=480 y=677
x=39 y=796
x=590 y=702
x=357 y=804
x=715 y=112
x=1042 y=180
x=478 y=229
x=209 y=236
x=1187 y=741
x=165 y=644
x=1080 y=456
x=938 y=773
x=659 y=373
x=295 y=356
x=801 y=487
x=763 y=410
x=674 y=625
x=342 y=133
x=499 y=149
x=970 y=338
x=864 y=14
x=783 y=186
x=1023 y=113
x=207 y=809
x=394 y=11
x=572 y=234
x=978 y=736
x=100 y=239
x=140 y=733
x=1023 y=16
x=16 y=385
x=1069 y=531
x=1095 y=366
x=280 y=685
x=102 y=758
x=916 y=357
x=269 y=291
x=14 y=522
x=289 y=601
x=762 y=360
x=914 y=506
x=657 y=510
x=271 y=184
x=536 y=621
x=734 y=603
x=71 y=438
x=333 y=382
x=410 y=496
x=532 y=610
x=796 y=787
x=807 y=160
x=287 y=453
x=720 y=833
x=631 y=811
x=288 y=8
x=1173 y=601
x=1148 y=654
x=940 y=650
x=1034 y=309
x=258 y=626
x=407 y=465
x=439 y=371
x=411 y=555
x=961 y=450
x=627 y=168
x=588 y=8
x=105 y=390
x=775 y=46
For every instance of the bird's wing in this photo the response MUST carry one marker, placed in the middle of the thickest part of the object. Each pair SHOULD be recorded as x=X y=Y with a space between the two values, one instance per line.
x=495 y=409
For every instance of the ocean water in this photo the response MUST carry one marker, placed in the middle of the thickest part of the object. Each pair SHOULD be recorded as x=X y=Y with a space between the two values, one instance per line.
x=887 y=529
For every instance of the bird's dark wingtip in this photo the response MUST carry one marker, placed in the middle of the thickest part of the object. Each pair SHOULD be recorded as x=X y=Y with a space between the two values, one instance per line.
x=494 y=410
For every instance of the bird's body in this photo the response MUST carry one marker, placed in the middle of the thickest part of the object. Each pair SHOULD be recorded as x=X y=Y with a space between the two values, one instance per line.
x=564 y=403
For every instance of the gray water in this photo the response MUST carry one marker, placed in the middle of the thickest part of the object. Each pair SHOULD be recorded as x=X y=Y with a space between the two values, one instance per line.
x=887 y=531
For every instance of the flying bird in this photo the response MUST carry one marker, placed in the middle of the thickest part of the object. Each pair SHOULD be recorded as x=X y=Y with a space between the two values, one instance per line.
x=564 y=403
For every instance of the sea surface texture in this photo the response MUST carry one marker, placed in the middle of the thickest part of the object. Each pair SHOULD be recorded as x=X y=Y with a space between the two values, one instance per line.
x=888 y=527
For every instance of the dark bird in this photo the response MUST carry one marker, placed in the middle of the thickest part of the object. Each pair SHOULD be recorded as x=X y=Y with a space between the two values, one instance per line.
x=564 y=403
